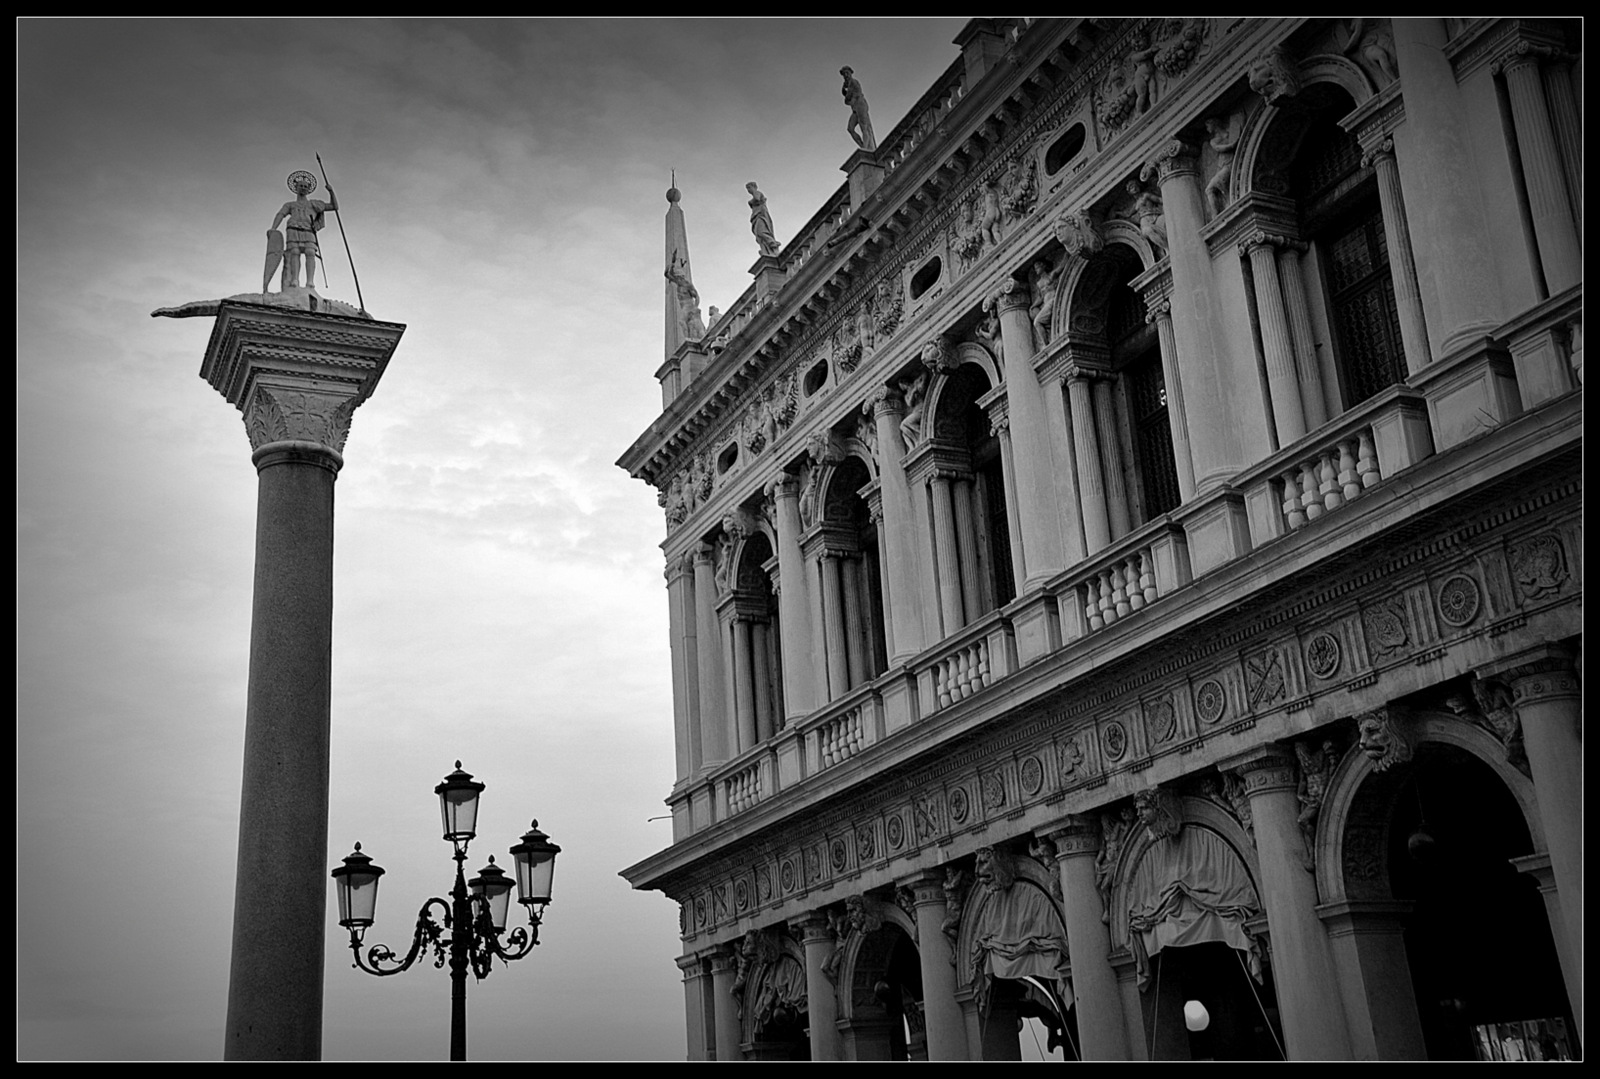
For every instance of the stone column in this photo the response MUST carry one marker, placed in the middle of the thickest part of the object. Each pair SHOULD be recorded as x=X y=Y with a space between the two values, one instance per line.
x=822 y=1006
x=1568 y=127
x=1086 y=451
x=1367 y=939
x=744 y=688
x=725 y=1016
x=1553 y=220
x=685 y=661
x=761 y=669
x=834 y=619
x=1288 y=414
x=793 y=614
x=947 y=1039
x=1549 y=706
x=1317 y=410
x=944 y=550
x=696 y=1022
x=1302 y=961
x=1160 y=313
x=1037 y=527
x=962 y=493
x=713 y=697
x=856 y=629
x=1008 y=471
x=1402 y=266
x=875 y=514
x=899 y=530
x=1102 y=1029
x=1197 y=321
x=297 y=377
x=1456 y=255
x=1114 y=471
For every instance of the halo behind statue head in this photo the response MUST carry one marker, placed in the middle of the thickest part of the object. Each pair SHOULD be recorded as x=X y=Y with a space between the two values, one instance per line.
x=302 y=182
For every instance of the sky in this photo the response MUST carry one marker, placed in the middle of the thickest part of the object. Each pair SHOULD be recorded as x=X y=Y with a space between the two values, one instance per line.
x=498 y=595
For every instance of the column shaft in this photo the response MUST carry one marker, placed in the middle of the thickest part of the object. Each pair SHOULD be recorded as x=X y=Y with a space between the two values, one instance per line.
x=1113 y=465
x=822 y=1005
x=1008 y=470
x=697 y=1023
x=685 y=664
x=947 y=1038
x=744 y=689
x=1176 y=417
x=1553 y=221
x=1102 y=1029
x=713 y=698
x=1288 y=414
x=898 y=533
x=963 y=493
x=834 y=619
x=761 y=674
x=794 y=615
x=725 y=1018
x=855 y=622
x=944 y=548
x=275 y=983
x=1086 y=449
x=1069 y=503
x=1402 y=266
x=1305 y=349
x=1037 y=527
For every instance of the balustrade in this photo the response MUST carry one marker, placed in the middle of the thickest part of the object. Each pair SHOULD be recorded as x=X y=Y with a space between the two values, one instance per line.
x=744 y=788
x=840 y=738
x=1329 y=478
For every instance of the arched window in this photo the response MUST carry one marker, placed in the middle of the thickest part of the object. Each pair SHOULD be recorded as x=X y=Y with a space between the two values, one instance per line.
x=852 y=582
x=757 y=675
x=1340 y=215
x=971 y=535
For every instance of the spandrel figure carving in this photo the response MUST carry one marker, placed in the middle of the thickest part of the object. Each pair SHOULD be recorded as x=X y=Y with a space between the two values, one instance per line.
x=761 y=220
x=1224 y=143
x=302 y=218
x=860 y=125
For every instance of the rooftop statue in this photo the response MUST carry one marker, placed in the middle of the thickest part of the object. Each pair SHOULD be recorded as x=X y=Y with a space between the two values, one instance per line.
x=761 y=220
x=297 y=254
x=860 y=125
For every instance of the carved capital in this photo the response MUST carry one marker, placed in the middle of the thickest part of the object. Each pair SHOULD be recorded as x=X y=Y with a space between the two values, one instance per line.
x=1076 y=836
x=1260 y=238
x=693 y=966
x=887 y=399
x=926 y=888
x=1176 y=158
x=785 y=487
x=723 y=958
x=1158 y=310
x=1546 y=677
x=701 y=553
x=1010 y=295
x=812 y=927
x=1383 y=149
x=283 y=414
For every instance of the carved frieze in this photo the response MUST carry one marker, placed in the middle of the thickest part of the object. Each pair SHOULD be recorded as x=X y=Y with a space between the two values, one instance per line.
x=1538 y=565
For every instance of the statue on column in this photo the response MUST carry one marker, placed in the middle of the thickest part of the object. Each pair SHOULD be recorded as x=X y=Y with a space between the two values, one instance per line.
x=761 y=220
x=860 y=125
x=298 y=248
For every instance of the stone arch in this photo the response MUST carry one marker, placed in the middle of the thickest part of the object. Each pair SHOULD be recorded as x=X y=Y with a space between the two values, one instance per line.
x=1256 y=140
x=880 y=968
x=1353 y=826
x=1196 y=813
x=1029 y=874
x=774 y=994
x=968 y=353
x=864 y=952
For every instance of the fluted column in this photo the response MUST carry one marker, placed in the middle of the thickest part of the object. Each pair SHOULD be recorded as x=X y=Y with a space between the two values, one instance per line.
x=744 y=688
x=1037 y=525
x=898 y=532
x=885 y=584
x=1197 y=322
x=1113 y=469
x=761 y=675
x=1317 y=409
x=1402 y=265
x=833 y=615
x=1553 y=221
x=725 y=1015
x=794 y=614
x=695 y=992
x=1455 y=249
x=1102 y=1030
x=822 y=1006
x=944 y=544
x=962 y=494
x=685 y=676
x=947 y=1038
x=1549 y=705
x=855 y=623
x=1008 y=472
x=1277 y=345
x=1302 y=961
x=1086 y=451
x=713 y=697
x=1568 y=128
x=1160 y=313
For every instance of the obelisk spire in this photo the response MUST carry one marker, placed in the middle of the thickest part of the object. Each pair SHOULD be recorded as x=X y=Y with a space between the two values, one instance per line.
x=684 y=322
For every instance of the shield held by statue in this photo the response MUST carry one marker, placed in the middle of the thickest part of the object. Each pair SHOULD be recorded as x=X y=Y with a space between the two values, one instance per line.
x=274 y=257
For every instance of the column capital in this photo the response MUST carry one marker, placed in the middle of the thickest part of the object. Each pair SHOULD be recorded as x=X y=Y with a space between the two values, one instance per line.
x=1158 y=310
x=812 y=927
x=1176 y=158
x=701 y=554
x=1264 y=769
x=678 y=565
x=1009 y=295
x=1521 y=53
x=1260 y=238
x=1382 y=150
x=1075 y=836
x=926 y=887
x=887 y=399
x=691 y=965
x=723 y=957
x=1540 y=674
x=784 y=487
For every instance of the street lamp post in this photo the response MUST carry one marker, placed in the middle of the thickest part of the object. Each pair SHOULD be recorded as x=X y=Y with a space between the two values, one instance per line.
x=475 y=916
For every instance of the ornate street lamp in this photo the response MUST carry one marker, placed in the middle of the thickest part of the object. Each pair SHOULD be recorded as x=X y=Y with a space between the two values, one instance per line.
x=475 y=916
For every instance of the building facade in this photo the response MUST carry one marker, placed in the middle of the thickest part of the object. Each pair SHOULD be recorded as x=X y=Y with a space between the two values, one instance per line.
x=1124 y=560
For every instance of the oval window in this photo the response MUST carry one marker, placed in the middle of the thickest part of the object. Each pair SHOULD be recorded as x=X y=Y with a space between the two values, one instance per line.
x=1064 y=149
x=727 y=457
x=815 y=378
x=925 y=278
